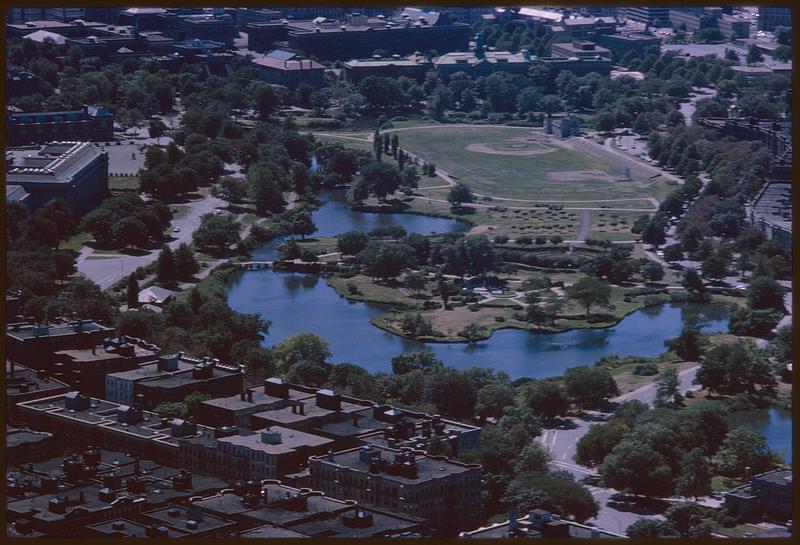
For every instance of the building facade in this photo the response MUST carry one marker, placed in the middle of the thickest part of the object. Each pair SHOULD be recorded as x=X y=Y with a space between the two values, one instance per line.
x=76 y=172
x=289 y=73
x=445 y=492
x=92 y=123
x=647 y=15
x=771 y=18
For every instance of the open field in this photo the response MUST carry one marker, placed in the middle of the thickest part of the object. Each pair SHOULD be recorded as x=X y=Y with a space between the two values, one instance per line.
x=123 y=183
x=523 y=163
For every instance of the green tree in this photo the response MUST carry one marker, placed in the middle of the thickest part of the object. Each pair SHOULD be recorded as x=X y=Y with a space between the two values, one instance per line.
x=654 y=233
x=533 y=458
x=132 y=295
x=263 y=188
x=589 y=387
x=632 y=466
x=765 y=292
x=230 y=189
x=695 y=477
x=546 y=398
x=598 y=442
x=451 y=393
x=193 y=401
x=556 y=492
x=415 y=282
x=423 y=360
x=166 y=271
x=754 y=55
x=186 y=265
x=459 y=195
x=82 y=298
x=130 y=231
x=298 y=222
x=473 y=332
x=734 y=368
x=216 y=233
x=302 y=347
x=688 y=519
x=646 y=528
x=668 y=389
x=351 y=242
x=688 y=345
x=715 y=266
x=382 y=178
x=744 y=453
x=652 y=271
x=493 y=399
x=589 y=291
x=692 y=282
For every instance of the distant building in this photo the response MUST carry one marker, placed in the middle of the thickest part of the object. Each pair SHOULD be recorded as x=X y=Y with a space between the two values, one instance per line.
x=86 y=368
x=538 y=524
x=26 y=446
x=445 y=492
x=155 y=295
x=578 y=66
x=91 y=493
x=771 y=211
x=76 y=172
x=581 y=49
x=731 y=25
x=141 y=18
x=589 y=27
x=358 y=36
x=17 y=193
x=24 y=384
x=410 y=66
x=205 y=27
x=483 y=63
x=771 y=18
x=92 y=123
x=267 y=454
x=245 y=16
x=34 y=344
x=171 y=379
x=619 y=44
x=280 y=511
x=67 y=29
x=648 y=15
x=289 y=73
x=563 y=127
x=768 y=494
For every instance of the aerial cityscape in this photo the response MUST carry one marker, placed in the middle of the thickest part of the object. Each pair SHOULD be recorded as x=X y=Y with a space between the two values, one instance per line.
x=410 y=272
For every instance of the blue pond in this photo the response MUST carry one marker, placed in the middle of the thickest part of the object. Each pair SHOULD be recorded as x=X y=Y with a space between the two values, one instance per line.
x=305 y=303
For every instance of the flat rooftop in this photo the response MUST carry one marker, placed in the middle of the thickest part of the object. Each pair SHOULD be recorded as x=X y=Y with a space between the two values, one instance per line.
x=427 y=468
x=53 y=330
x=25 y=378
x=16 y=437
x=271 y=532
x=310 y=410
x=128 y=528
x=290 y=440
x=234 y=403
x=179 y=517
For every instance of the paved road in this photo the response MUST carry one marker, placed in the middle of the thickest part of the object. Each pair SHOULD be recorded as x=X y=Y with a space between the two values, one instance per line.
x=586 y=220
x=107 y=269
x=647 y=393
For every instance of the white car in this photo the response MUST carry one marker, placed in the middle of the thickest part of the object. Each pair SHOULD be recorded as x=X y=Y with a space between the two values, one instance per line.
x=176 y=230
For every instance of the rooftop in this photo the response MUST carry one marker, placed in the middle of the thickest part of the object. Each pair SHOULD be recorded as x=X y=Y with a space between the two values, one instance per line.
x=26 y=379
x=287 y=65
x=128 y=528
x=259 y=399
x=30 y=331
x=271 y=532
x=290 y=440
x=16 y=437
x=427 y=467
x=181 y=517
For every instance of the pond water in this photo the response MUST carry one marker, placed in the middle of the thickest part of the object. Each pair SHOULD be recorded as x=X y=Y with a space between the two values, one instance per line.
x=298 y=303
x=774 y=424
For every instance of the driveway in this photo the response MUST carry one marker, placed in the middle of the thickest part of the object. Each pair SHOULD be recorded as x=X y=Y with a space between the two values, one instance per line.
x=107 y=269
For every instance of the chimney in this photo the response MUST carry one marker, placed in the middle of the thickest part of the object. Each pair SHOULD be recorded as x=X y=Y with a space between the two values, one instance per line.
x=243 y=395
x=275 y=387
x=302 y=408
x=329 y=456
x=12 y=367
x=249 y=395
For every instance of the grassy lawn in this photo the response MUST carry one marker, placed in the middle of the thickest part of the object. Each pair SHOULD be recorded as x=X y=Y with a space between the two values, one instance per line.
x=721 y=484
x=739 y=530
x=612 y=225
x=493 y=161
x=354 y=141
x=179 y=211
x=75 y=242
x=123 y=183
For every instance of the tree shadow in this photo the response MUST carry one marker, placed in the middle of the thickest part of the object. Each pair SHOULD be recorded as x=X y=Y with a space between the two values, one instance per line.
x=463 y=210
x=561 y=424
x=134 y=252
x=639 y=505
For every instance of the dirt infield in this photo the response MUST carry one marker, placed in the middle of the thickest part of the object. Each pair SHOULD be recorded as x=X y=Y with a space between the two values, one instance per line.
x=496 y=148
